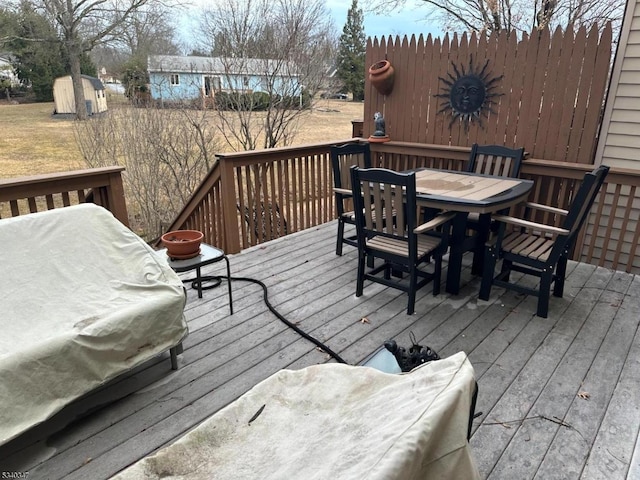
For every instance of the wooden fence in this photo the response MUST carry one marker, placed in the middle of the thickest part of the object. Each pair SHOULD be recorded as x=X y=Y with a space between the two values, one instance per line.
x=549 y=90
x=251 y=197
x=544 y=92
x=611 y=234
x=286 y=190
x=102 y=186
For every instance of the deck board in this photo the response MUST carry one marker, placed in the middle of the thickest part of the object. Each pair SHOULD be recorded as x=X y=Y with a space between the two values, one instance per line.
x=529 y=369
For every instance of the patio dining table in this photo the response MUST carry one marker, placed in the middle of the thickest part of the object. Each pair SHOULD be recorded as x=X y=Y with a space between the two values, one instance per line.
x=464 y=193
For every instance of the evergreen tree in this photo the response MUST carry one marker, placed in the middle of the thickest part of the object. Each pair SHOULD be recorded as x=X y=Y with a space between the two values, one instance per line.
x=351 y=52
x=40 y=58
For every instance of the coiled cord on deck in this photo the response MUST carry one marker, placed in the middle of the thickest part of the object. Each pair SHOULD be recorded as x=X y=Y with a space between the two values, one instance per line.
x=272 y=309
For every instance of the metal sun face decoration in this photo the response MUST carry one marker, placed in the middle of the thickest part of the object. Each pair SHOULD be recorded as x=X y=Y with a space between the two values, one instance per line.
x=469 y=94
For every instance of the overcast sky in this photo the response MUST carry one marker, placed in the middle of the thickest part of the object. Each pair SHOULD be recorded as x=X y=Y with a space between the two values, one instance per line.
x=409 y=20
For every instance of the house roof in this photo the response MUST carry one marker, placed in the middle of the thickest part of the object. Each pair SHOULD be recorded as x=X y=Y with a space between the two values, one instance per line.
x=95 y=82
x=219 y=65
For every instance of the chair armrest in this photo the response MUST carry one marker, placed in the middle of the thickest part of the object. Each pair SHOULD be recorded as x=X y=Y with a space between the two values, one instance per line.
x=532 y=225
x=434 y=222
x=546 y=208
x=343 y=191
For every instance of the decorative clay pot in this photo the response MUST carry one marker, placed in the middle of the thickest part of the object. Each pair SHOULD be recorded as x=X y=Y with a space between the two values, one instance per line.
x=381 y=75
x=182 y=243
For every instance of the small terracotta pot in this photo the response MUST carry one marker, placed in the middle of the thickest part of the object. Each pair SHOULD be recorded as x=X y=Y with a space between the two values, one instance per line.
x=381 y=75
x=180 y=243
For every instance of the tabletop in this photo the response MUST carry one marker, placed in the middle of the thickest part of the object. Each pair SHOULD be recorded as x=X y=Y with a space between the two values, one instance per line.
x=464 y=193
x=207 y=255
x=469 y=192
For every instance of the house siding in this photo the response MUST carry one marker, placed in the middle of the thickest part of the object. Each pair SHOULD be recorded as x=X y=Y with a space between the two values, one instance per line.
x=620 y=134
x=193 y=70
x=619 y=143
x=189 y=87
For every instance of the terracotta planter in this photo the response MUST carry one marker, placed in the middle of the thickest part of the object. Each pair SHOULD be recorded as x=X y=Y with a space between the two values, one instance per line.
x=182 y=243
x=381 y=75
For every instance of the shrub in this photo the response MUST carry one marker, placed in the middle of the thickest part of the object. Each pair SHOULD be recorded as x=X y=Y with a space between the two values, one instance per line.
x=166 y=153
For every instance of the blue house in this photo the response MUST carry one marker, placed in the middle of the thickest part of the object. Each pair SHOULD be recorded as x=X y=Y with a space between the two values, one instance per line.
x=179 y=78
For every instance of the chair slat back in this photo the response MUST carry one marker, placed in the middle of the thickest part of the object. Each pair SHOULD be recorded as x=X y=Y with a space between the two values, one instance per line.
x=578 y=212
x=584 y=198
x=343 y=157
x=495 y=160
x=385 y=202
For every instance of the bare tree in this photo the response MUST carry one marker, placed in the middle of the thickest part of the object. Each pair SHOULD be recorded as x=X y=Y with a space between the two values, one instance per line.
x=148 y=30
x=519 y=15
x=166 y=154
x=284 y=43
x=83 y=24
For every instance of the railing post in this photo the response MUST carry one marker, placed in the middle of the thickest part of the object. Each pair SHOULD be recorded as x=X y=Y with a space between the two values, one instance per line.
x=230 y=217
x=116 y=202
x=357 y=128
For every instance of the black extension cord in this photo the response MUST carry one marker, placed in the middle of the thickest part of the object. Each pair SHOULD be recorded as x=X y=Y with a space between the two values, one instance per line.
x=302 y=333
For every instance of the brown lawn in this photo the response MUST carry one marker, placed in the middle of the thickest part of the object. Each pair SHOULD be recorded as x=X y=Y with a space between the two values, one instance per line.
x=33 y=142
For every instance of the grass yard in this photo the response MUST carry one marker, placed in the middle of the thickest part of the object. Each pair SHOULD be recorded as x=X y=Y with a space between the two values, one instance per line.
x=32 y=142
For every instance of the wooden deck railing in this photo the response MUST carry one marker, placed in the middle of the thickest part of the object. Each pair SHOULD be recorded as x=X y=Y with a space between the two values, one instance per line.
x=611 y=235
x=252 y=197
x=102 y=186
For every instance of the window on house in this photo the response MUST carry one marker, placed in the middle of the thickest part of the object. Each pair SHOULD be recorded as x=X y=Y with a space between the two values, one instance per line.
x=175 y=79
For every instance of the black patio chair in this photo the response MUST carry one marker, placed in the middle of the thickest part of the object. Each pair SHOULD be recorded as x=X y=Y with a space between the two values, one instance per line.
x=386 y=224
x=493 y=160
x=539 y=249
x=342 y=159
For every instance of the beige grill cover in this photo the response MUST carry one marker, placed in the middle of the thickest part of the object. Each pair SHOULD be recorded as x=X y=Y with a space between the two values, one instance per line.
x=333 y=422
x=82 y=299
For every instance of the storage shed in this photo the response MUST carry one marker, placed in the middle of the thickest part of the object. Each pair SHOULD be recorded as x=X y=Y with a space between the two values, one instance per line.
x=94 y=95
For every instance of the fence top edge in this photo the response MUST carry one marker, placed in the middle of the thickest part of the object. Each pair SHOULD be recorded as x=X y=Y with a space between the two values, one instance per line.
x=280 y=150
x=59 y=176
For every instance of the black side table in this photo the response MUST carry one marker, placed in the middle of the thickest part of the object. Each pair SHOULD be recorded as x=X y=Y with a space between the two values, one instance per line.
x=207 y=256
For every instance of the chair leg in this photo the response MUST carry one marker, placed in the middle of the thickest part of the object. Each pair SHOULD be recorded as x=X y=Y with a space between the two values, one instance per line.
x=543 y=294
x=387 y=271
x=505 y=270
x=561 y=272
x=490 y=259
x=479 y=250
x=360 y=278
x=437 y=274
x=340 y=237
x=413 y=280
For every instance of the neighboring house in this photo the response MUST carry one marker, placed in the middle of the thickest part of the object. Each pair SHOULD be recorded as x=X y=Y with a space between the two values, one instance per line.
x=94 y=95
x=107 y=77
x=7 y=72
x=177 y=78
x=331 y=85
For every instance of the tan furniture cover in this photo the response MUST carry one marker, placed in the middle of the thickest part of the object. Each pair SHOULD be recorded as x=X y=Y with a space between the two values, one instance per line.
x=333 y=422
x=82 y=299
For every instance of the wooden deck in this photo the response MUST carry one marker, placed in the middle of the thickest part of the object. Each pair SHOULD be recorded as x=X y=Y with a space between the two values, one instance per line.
x=559 y=396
